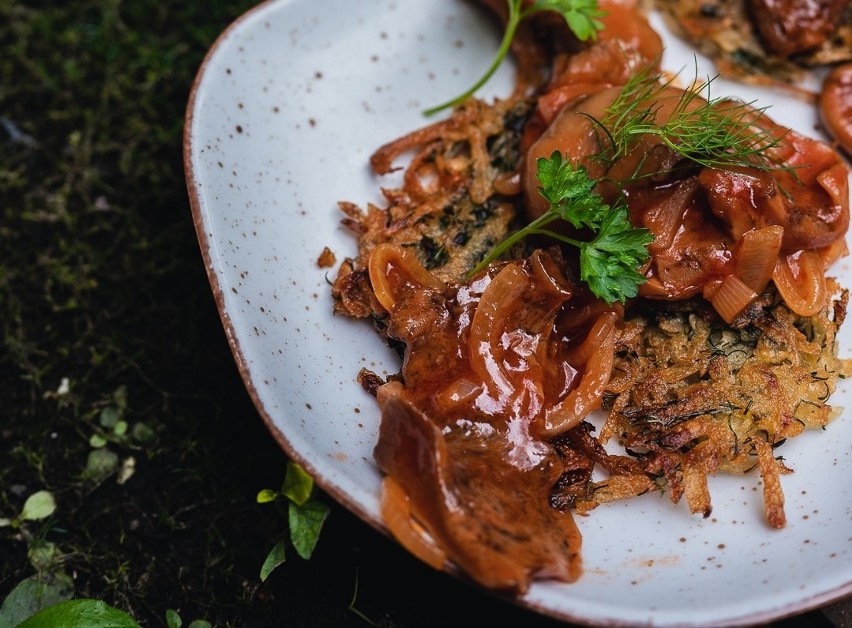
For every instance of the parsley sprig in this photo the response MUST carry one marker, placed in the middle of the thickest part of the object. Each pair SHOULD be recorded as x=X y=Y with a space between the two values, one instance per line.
x=582 y=17
x=610 y=261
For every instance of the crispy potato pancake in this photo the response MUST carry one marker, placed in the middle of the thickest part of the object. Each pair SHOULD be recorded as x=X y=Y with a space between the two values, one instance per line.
x=691 y=395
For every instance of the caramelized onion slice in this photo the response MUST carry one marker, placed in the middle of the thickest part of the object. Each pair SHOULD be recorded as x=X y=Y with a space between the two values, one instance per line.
x=587 y=396
x=800 y=279
x=833 y=252
x=594 y=339
x=456 y=393
x=731 y=298
x=397 y=516
x=835 y=181
x=757 y=254
x=395 y=271
x=488 y=325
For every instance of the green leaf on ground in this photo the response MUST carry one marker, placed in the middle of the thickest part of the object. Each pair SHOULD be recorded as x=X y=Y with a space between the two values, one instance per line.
x=39 y=505
x=305 y=525
x=43 y=555
x=100 y=464
x=142 y=433
x=277 y=555
x=83 y=612
x=173 y=619
x=298 y=485
x=32 y=595
x=110 y=416
x=266 y=495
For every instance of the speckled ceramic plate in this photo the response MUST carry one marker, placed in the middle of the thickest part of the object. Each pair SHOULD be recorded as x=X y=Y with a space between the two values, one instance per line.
x=286 y=110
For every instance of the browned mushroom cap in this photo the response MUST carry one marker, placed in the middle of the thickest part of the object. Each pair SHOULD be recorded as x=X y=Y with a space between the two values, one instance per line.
x=790 y=27
x=835 y=105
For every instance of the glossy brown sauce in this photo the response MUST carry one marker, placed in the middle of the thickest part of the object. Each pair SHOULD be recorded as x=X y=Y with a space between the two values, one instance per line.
x=462 y=436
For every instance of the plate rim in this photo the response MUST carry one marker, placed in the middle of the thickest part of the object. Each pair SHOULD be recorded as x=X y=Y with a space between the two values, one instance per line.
x=198 y=207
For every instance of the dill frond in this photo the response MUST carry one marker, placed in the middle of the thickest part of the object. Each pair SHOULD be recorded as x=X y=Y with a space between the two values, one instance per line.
x=711 y=132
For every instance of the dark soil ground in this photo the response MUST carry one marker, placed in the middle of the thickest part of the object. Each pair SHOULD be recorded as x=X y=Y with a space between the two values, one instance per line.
x=111 y=342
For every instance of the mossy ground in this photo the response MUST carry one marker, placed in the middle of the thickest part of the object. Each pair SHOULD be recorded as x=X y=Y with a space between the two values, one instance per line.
x=109 y=322
x=104 y=303
x=100 y=287
x=111 y=342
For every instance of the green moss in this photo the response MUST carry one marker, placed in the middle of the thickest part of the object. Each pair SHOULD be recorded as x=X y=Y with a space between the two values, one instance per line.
x=99 y=273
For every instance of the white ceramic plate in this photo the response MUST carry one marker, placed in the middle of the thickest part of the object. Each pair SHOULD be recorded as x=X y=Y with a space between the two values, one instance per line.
x=285 y=112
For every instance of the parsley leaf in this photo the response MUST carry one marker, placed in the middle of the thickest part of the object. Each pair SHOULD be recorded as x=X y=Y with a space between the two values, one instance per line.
x=582 y=17
x=570 y=192
x=609 y=263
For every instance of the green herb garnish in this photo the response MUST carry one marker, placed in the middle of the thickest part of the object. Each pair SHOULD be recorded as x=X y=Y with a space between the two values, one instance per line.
x=582 y=17
x=699 y=129
x=608 y=262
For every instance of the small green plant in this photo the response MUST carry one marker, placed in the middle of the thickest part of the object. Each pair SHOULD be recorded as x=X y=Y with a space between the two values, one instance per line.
x=40 y=505
x=80 y=612
x=34 y=594
x=50 y=584
x=113 y=428
x=305 y=517
x=174 y=620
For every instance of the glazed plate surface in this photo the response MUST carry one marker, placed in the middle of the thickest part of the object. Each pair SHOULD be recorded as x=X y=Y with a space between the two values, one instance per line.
x=285 y=112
